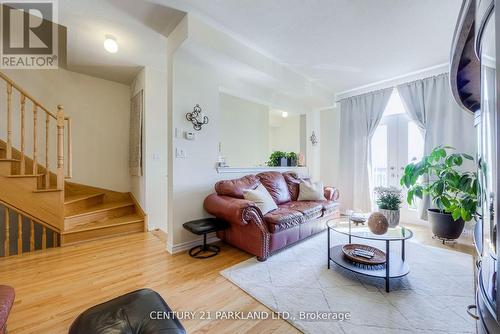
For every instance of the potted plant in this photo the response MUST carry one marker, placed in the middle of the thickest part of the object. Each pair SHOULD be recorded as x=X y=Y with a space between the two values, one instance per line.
x=389 y=202
x=278 y=159
x=292 y=159
x=452 y=191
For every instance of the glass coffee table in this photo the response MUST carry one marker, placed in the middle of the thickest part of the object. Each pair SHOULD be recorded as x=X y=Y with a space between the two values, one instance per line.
x=394 y=266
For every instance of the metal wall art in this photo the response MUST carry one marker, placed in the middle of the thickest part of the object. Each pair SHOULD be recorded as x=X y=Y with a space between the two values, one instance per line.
x=313 y=138
x=193 y=118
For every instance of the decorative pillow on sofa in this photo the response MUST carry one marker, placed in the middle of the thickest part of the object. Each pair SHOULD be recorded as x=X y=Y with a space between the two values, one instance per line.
x=309 y=191
x=262 y=199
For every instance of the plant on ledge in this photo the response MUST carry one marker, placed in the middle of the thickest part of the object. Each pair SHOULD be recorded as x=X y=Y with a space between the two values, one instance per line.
x=292 y=159
x=389 y=201
x=452 y=191
x=275 y=160
x=281 y=159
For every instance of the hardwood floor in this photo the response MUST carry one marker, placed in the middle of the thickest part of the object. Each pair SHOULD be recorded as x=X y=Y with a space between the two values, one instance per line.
x=54 y=286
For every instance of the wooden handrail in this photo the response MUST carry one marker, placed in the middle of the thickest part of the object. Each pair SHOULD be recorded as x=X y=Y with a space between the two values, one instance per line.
x=28 y=96
x=61 y=120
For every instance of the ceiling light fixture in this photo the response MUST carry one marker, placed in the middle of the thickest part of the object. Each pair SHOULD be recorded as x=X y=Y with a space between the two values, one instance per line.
x=110 y=44
x=284 y=114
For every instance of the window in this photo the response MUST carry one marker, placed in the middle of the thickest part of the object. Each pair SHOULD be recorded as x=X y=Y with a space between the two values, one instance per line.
x=396 y=141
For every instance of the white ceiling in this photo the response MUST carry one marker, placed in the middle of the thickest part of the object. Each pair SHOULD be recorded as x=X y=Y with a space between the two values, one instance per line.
x=140 y=28
x=341 y=44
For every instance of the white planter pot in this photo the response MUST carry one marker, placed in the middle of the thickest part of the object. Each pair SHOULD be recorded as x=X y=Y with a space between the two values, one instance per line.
x=392 y=216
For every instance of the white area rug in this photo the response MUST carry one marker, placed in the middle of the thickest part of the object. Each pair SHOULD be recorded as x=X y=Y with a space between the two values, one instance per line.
x=431 y=299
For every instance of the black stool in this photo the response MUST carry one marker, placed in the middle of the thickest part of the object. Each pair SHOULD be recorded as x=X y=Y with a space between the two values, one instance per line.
x=204 y=226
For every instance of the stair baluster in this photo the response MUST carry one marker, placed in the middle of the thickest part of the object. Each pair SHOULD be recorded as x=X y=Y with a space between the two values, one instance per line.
x=6 y=243
x=32 y=236
x=47 y=173
x=60 y=147
x=35 y=139
x=44 y=237
x=23 y=111
x=9 y=121
x=19 y=234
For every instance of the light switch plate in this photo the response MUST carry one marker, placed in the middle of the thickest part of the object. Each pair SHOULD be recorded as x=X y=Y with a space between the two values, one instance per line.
x=180 y=153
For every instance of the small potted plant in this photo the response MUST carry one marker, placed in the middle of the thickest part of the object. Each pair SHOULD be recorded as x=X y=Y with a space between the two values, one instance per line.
x=278 y=159
x=292 y=159
x=452 y=191
x=389 y=201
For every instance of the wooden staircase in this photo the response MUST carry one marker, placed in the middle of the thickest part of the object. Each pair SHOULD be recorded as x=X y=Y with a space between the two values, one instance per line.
x=71 y=212
x=92 y=213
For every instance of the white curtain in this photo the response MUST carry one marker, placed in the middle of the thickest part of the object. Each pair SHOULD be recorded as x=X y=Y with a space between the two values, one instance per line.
x=135 y=134
x=359 y=117
x=430 y=105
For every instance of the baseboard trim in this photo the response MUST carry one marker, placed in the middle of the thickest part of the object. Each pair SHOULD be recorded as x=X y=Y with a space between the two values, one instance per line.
x=183 y=246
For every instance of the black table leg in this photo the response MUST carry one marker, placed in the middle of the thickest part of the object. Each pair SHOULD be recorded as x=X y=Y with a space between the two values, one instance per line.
x=402 y=250
x=387 y=251
x=328 y=231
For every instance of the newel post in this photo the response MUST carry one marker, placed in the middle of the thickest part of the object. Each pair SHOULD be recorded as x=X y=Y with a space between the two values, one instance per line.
x=60 y=147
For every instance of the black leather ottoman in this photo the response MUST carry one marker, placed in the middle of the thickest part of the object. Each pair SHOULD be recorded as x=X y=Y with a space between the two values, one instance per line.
x=129 y=314
x=203 y=227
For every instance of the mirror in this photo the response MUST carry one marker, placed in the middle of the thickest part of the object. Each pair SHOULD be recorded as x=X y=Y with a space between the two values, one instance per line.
x=250 y=132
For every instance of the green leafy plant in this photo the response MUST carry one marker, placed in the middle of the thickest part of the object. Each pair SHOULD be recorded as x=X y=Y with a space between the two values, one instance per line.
x=292 y=155
x=388 y=198
x=274 y=159
x=451 y=190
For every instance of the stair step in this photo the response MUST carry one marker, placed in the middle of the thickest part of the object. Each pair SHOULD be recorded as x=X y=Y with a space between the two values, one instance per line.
x=46 y=190
x=100 y=224
x=9 y=160
x=132 y=223
x=101 y=208
x=80 y=197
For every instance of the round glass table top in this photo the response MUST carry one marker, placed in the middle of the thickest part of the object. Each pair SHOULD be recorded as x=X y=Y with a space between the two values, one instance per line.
x=363 y=232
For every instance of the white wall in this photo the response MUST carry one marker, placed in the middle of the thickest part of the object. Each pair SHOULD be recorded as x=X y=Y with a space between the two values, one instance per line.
x=193 y=177
x=284 y=133
x=151 y=188
x=330 y=145
x=243 y=131
x=100 y=113
x=313 y=152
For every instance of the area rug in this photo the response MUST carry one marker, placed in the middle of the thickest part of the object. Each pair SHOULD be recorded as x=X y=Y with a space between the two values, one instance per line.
x=296 y=283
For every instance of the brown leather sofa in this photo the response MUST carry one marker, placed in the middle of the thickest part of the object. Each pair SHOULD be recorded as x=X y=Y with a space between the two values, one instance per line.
x=261 y=235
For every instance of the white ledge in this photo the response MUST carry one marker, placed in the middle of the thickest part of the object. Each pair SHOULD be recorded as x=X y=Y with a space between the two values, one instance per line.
x=254 y=170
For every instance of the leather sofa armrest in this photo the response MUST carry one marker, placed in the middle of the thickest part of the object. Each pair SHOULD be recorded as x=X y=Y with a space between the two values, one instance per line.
x=233 y=210
x=331 y=193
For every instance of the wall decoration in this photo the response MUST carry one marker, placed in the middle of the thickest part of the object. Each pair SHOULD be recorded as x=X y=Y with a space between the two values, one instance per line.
x=193 y=118
x=313 y=139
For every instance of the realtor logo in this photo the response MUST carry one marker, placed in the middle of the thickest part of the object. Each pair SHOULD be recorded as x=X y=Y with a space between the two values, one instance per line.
x=29 y=34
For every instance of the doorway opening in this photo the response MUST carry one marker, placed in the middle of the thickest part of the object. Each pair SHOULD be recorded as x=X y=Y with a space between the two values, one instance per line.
x=396 y=142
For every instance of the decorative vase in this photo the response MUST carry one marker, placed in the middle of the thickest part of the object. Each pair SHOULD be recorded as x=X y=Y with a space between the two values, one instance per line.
x=292 y=162
x=377 y=223
x=283 y=162
x=443 y=226
x=392 y=216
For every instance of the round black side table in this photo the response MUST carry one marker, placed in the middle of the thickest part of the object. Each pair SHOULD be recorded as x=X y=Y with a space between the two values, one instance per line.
x=203 y=227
